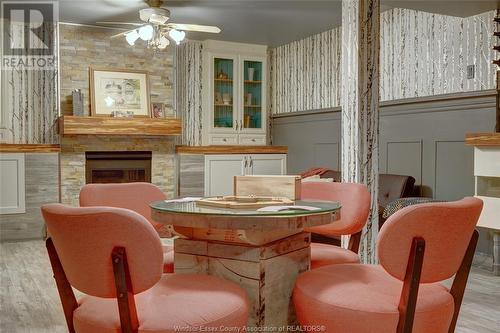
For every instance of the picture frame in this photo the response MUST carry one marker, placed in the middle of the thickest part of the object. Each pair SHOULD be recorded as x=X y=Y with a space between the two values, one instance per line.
x=157 y=110
x=123 y=90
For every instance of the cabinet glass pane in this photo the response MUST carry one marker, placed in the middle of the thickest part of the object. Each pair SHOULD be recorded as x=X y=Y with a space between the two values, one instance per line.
x=252 y=96
x=223 y=93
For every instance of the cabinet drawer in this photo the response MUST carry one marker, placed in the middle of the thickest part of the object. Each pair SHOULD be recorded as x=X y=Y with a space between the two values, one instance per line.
x=490 y=212
x=251 y=140
x=223 y=140
x=487 y=161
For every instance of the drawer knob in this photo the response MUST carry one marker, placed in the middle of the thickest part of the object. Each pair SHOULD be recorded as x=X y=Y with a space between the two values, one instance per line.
x=224 y=139
x=253 y=140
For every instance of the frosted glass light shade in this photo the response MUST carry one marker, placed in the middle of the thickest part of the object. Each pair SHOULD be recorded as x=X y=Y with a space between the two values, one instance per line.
x=177 y=36
x=131 y=37
x=146 y=32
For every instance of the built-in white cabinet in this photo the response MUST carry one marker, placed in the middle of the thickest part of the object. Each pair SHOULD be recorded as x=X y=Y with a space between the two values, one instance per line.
x=221 y=169
x=234 y=93
x=487 y=183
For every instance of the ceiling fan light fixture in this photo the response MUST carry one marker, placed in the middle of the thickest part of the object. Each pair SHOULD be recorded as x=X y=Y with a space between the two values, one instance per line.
x=131 y=37
x=164 y=42
x=177 y=35
x=146 y=32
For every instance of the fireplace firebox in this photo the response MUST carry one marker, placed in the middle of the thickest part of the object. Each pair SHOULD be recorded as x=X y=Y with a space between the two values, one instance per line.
x=117 y=167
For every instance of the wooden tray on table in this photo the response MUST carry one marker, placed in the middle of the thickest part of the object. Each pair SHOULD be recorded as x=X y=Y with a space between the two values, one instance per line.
x=243 y=202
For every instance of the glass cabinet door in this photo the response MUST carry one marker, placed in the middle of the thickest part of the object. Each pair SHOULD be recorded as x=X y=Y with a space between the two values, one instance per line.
x=223 y=93
x=252 y=94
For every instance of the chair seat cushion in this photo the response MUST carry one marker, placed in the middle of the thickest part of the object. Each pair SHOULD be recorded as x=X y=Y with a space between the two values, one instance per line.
x=176 y=302
x=359 y=298
x=325 y=254
x=168 y=259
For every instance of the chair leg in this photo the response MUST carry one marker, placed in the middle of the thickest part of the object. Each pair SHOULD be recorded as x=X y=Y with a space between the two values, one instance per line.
x=409 y=293
x=66 y=294
x=354 y=241
x=126 y=303
x=459 y=283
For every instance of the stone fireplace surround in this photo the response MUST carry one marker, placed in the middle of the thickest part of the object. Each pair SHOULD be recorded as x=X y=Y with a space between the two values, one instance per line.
x=72 y=160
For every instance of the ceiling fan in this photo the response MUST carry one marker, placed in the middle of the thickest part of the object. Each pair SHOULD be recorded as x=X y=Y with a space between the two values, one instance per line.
x=156 y=30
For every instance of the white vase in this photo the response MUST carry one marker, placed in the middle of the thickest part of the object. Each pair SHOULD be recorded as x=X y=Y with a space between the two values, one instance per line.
x=251 y=72
x=226 y=99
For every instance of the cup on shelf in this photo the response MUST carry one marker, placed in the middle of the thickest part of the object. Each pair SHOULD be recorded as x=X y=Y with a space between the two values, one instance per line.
x=248 y=99
x=251 y=72
x=226 y=99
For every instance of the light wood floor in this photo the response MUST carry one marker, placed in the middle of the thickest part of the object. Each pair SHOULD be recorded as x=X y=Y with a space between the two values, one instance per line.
x=29 y=301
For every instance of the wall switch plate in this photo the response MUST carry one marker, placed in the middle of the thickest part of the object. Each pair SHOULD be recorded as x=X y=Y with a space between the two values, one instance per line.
x=471 y=71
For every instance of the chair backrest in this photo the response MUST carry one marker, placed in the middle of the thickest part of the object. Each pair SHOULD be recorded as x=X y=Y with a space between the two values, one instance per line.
x=392 y=187
x=355 y=201
x=447 y=229
x=133 y=196
x=84 y=239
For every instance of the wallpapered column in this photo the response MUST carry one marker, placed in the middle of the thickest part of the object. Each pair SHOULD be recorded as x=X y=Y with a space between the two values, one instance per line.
x=188 y=62
x=360 y=106
x=29 y=99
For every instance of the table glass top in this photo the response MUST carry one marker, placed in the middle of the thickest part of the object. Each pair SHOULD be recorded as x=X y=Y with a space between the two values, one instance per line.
x=193 y=208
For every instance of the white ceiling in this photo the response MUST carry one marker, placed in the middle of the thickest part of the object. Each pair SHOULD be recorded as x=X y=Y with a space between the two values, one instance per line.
x=265 y=22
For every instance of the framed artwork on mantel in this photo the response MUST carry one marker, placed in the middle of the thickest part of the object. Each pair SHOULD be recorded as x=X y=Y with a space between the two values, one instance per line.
x=121 y=91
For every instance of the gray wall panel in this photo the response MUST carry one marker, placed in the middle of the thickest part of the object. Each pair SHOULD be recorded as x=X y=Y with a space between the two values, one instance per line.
x=307 y=135
x=327 y=153
x=454 y=164
x=421 y=137
x=404 y=158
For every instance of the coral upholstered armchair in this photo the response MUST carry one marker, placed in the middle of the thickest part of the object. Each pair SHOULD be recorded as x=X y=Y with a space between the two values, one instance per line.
x=418 y=247
x=355 y=201
x=133 y=196
x=114 y=256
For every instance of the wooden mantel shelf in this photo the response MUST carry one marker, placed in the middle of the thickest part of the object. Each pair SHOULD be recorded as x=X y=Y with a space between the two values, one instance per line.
x=71 y=125
x=28 y=148
x=231 y=150
x=482 y=139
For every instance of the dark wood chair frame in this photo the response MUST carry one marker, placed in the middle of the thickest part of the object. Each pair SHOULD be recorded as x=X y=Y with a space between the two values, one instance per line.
x=354 y=240
x=125 y=297
x=407 y=304
x=409 y=293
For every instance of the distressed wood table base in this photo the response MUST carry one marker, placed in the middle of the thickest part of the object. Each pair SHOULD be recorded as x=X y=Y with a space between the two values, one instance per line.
x=267 y=272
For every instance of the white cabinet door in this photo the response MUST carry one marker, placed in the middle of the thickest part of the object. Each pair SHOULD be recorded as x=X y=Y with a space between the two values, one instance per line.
x=267 y=164
x=252 y=95
x=219 y=173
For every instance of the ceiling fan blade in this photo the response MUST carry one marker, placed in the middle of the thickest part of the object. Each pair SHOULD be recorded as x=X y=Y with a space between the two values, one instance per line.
x=121 y=33
x=194 y=27
x=121 y=23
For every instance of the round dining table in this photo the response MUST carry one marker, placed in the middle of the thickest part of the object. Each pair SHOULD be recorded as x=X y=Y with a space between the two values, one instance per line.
x=262 y=251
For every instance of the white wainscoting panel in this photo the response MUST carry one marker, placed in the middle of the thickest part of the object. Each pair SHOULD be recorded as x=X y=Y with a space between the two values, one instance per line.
x=12 y=189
